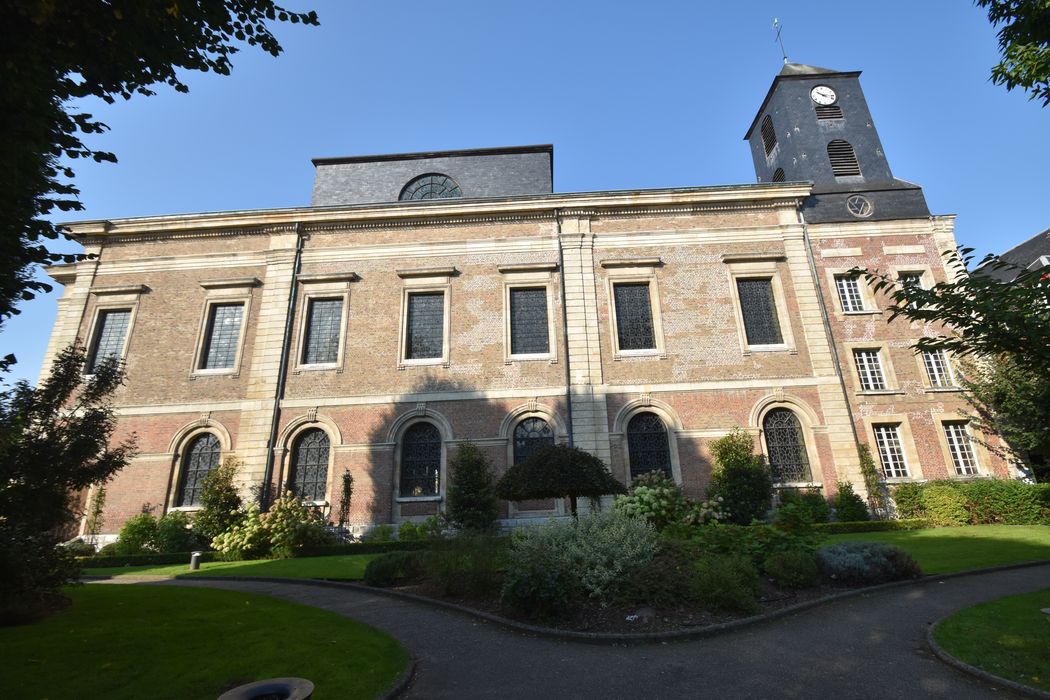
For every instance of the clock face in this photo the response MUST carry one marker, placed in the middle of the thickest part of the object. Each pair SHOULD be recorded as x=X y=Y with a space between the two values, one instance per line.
x=823 y=95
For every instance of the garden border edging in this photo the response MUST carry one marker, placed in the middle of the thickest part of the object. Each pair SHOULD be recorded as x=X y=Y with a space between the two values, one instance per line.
x=978 y=673
x=618 y=638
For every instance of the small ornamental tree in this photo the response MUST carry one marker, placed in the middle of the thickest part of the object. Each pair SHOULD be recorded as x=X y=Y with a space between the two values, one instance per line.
x=559 y=472
x=55 y=441
x=220 y=502
x=742 y=479
x=346 y=493
x=472 y=503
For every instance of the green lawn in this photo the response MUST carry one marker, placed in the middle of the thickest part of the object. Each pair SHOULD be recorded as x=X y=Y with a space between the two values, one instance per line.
x=349 y=567
x=948 y=549
x=119 y=641
x=1008 y=637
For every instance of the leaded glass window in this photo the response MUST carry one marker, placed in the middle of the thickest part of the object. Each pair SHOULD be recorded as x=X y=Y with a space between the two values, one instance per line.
x=891 y=454
x=222 y=336
x=308 y=476
x=960 y=446
x=786 y=447
x=869 y=369
x=110 y=331
x=938 y=368
x=528 y=321
x=634 y=316
x=425 y=329
x=909 y=281
x=431 y=186
x=202 y=456
x=647 y=446
x=530 y=436
x=324 y=320
x=850 y=297
x=761 y=323
x=420 y=461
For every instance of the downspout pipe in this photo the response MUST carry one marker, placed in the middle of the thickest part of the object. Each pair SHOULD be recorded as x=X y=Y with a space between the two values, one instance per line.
x=282 y=373
x=564 y=326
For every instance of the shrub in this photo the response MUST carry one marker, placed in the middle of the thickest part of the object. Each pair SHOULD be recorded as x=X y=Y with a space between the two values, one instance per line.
x=872 y=526
x=137 y=536
x=468 y=563
x=558 y=472
x=704 y=512
x=664 y=582
x=79 y=548
x=655 y=498
x=999 y=501
x=534 y=587
x=726 y=582
x=753 y=541
x=174 y=534
x=742 y=479
x=866 y=563
x=220 y=502
x=246 y=539
x=792 y=568
x=394 y=567
x=908 y=501
x=945 y=504
x=849 y=507
x=472 y=503
x=809 y=501
x=289 y=526
x=379 y=533
x=409 y=532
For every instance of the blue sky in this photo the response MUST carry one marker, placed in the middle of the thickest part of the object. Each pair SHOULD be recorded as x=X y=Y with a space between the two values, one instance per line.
x=632 y=95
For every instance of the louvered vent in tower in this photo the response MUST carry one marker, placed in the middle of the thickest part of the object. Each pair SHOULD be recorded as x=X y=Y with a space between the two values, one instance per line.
x=829 y=112
x=843 y=158
x=769 y=134
x=778 y=175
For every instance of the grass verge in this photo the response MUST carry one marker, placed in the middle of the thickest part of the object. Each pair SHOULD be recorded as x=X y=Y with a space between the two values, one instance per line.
x=160 y=642
x=949 y=549
x=1008 y=637
x=349 y=567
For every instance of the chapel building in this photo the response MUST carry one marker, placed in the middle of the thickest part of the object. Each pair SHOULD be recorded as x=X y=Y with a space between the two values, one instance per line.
x=427 y=299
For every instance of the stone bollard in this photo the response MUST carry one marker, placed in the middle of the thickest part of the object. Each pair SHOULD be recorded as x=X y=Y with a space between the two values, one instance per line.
x=272 y=689
x=195 y=560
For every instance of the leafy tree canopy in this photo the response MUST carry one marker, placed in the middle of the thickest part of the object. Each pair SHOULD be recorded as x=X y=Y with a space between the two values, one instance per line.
x=1024 y=43
x=56 y=52
x=558 y=472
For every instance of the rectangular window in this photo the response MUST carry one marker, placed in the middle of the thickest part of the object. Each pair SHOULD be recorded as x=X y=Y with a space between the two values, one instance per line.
x=891 y=454
x=111 y=328
x=908 y=281
x=761 y=324
x=324 y=320
x=960 y=446
x=869 y=369
x=937 y=368
x=634 y=316
x=529 y=332
x=425 y=334
x=222 y=336
x=850 y=298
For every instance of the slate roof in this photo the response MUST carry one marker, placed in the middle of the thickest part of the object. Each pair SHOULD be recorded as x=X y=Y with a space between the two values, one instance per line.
x=1023 y=255
x=802 y=69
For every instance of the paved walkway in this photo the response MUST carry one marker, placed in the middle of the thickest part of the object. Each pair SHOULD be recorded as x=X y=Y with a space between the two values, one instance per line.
x=866 y=647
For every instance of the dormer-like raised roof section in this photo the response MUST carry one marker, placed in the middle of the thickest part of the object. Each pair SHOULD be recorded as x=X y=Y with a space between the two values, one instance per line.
x=469 y=174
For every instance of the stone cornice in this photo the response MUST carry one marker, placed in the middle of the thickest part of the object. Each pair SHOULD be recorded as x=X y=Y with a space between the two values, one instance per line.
x=445 y=212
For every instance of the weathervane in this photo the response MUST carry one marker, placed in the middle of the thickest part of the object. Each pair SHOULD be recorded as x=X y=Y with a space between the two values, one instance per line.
x=777 y=26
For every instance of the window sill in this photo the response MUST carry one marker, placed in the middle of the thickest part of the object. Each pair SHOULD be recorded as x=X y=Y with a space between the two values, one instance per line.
x=797 y=485
x=881 y=392
x=942 y=389
x=225 y=372
x=417 y=499
x=630 y=354
x=328 y=366
x=184 y=509
x=863 y=312
x=424 y=362
x=538 y=357
x=316 y=504
x=903 y=480
x=769 y=348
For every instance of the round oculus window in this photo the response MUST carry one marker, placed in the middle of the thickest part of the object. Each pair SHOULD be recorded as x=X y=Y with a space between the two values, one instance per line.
x=860 y=206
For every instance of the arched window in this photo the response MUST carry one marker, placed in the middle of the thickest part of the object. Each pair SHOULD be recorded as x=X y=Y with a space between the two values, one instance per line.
x=421 y=460
x=843 y=158
x=786 y=446
x=308 y=473
x=430 y=186
x=647 y=447
x=200 y=458
x=769 y=134
x=530 y=436
x=778 y=175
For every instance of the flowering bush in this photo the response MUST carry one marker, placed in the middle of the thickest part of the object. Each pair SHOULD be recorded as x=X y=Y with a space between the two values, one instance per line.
x=246 y=539
x=705 y=512
x=654 y=498
x=290 y=526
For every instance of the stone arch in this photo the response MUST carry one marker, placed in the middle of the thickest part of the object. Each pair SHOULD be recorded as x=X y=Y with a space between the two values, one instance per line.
x=671 y=422
x=528 y=410
x=808 y=421
x=185 y=436
x=290 y=434
x=403 y=421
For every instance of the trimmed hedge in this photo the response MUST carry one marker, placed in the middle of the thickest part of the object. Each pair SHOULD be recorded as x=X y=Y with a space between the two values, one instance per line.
x=871 y=526
x=977 y=502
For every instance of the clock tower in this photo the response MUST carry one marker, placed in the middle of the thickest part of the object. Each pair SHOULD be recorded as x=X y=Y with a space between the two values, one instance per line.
x=815 y=125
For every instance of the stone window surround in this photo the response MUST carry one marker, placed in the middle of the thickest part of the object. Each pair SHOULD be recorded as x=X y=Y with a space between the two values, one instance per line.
x=284 y=457
x=635 y=271
x=885 y=362
x=760 y=267
x=115 y=298
x=870 y=306
x=422 y=280
x=980 y=452
x=672 y=424
x=911 y=455
x=806 y=420
x=953 y=373
x=221 y=292
x=323 y=286
x=442 y=470
x=181 y=441
x=529 y=276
